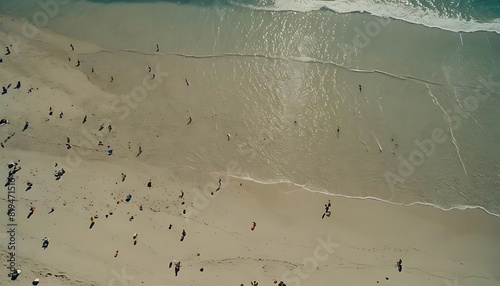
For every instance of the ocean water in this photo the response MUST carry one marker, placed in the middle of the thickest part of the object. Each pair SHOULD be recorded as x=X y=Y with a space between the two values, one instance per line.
x=282 y=77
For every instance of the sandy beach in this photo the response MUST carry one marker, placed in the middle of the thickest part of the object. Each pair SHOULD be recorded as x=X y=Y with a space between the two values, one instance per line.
x=359 y=243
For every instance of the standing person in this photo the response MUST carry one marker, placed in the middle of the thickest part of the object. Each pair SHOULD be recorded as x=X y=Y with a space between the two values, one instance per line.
x=253 y=226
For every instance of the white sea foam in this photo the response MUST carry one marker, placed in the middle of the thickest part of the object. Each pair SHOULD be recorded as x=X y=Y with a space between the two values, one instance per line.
x=324 y=192
x=399 y=11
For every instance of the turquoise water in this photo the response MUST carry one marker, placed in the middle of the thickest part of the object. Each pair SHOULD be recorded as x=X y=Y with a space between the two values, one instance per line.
x=271 y=63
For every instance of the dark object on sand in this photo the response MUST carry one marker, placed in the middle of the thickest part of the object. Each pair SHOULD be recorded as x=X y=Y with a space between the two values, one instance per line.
x=45 y=243
x=149 y=184
x=4 y=121
x=4 y=90
x=72 y=48
x=189 y=120
x=399 y=265
x=59 y=174
x=30 y=214
x=18 y=85
x=129 y=197
x=140 y=151
x=8 y=51
x=14 y=274
x=187 y=82
x=26 y=125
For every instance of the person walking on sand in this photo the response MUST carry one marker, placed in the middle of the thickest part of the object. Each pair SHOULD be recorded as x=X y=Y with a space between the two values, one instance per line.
x=71 y=46
x=177 y=267
x=253 y=226
x=92 y=222
x=157 y=48
x=84 y=119
x=189 y=120
x=181 y=196
x=116 y=253
x=32 y=210
x=327 y=210
x=183 y=235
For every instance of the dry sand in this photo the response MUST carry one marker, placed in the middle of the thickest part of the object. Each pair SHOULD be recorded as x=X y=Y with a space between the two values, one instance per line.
x=358 y=244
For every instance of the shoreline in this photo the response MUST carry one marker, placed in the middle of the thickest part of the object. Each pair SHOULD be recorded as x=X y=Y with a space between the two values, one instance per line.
x=444 y=209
